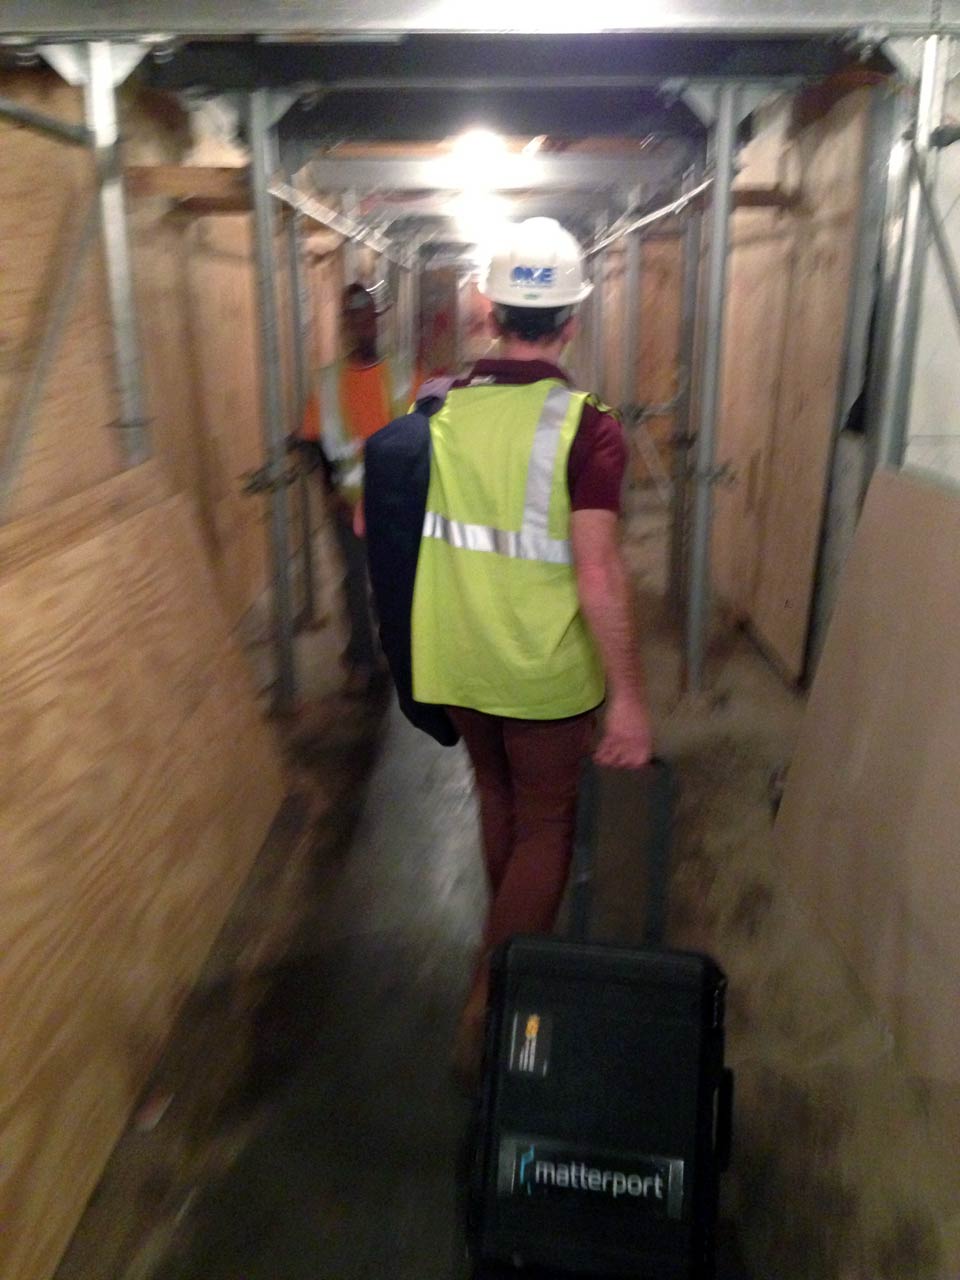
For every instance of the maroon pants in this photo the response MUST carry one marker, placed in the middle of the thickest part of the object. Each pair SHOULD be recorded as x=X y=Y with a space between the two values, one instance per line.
x=527 y=773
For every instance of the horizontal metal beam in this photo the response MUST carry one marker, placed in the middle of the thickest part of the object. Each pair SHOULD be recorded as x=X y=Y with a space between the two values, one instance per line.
x=350 y=17
x=472 y=62
x=427 y=209
x=513 y=173
x=494 y=83
x=425 y=114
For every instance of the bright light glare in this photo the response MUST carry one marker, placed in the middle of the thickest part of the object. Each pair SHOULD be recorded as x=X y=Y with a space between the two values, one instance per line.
x=476 y=159
x=479 y=215
x=534 y=145
x=477 y=162
x=479 y=146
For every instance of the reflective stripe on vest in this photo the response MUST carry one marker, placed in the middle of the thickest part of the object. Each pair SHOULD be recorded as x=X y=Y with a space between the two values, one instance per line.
x=502 y=631
x=340 y=441
x=533 y=542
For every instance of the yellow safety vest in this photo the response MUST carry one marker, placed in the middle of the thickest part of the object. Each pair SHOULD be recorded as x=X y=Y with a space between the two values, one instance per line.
x=496 y=620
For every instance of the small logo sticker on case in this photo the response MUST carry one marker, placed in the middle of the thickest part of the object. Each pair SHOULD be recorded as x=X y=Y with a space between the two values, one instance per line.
x=531 y=1035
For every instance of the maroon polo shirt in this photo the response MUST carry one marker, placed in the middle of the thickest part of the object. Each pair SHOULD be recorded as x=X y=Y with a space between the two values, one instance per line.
x=598 y=456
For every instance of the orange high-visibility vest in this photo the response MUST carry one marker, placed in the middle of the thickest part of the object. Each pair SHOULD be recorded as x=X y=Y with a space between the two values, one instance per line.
x=352 y=402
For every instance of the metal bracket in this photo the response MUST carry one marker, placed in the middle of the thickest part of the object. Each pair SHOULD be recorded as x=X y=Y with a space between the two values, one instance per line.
x=72 y=62
x=906 y=54
x=701 y=96
x=263 y=480
x=702 y=102
x=281 y=100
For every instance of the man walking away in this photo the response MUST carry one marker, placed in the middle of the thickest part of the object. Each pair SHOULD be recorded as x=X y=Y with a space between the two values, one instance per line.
x=356 y=397
x=522 y=617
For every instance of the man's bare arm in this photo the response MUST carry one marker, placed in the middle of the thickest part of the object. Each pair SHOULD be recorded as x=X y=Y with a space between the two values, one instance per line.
x=603 y=585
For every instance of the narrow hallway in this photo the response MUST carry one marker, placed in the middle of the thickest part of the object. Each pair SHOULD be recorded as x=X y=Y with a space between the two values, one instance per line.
x=353 y=1172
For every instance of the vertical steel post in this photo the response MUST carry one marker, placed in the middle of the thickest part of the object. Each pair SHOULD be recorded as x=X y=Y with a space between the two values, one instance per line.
x=101 y=118
x=401 y=319
x=403 y=337
x=597 y=345
x=908 y=232
x=459 y=336
x=683 y=419
x=698 y=603
x=632 y=265
x=414 y=307
x=351 y=264
x=948 y=261
x=300 y=307
x=263 y=163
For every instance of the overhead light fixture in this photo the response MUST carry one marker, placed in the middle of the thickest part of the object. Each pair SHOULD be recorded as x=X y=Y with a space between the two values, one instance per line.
x=479 y=215
x=479 y=146
x=476 y=159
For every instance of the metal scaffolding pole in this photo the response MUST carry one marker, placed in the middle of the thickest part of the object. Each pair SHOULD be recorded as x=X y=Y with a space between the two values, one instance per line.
x=948 y=262
x=698 y=602
x=597 y=347
x=57 y=317
x=406 y=335
x=300 y=306
x=684 y=425
x=633 y=259
x=908 y=225
x=351 y=255
x=101 y=112
x=62 y=130
x=263 y=163
x=416 y=267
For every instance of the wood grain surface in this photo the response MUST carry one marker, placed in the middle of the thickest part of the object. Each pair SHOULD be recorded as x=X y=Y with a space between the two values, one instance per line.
x=831 y=161
x=44 y=187
x=867 y=830
x=194 y=286
x=137 y=786
x=33 y=537
x=787 y=303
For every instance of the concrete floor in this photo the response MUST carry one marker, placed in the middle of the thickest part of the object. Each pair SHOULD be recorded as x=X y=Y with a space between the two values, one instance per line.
x=302 y=1123
x=352 y=1173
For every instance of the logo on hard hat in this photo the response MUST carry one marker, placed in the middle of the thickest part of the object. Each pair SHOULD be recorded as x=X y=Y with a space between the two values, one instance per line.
x=538 y=277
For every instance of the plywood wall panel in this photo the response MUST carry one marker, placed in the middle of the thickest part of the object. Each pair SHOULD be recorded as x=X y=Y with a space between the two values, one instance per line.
x=788 y=298
x=138 y=783
x=758 y=306
x=221 y=306
x=651 y=376
x=658 y=362
x=831 y=160
x=45 y=188
x=194 y=287
x=80 y=517
x=867 y=830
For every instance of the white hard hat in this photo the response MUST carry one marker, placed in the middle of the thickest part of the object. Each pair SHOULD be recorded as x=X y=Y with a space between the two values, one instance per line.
x=535 y=264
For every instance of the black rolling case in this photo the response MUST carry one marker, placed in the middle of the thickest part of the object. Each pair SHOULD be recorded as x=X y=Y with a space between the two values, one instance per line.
x=604 y=1118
